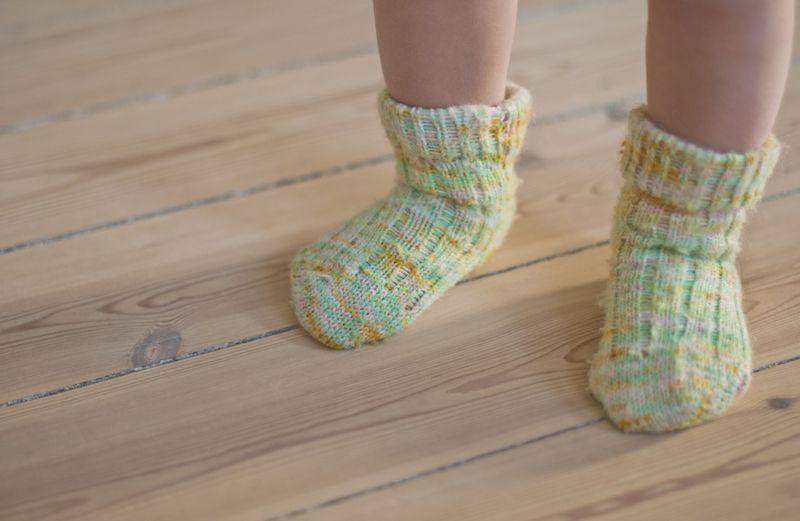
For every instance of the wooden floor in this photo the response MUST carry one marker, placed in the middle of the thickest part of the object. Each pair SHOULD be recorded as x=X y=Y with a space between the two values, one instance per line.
x=160 y=163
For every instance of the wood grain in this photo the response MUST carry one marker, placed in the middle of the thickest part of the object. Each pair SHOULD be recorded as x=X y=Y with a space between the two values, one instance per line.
x=742 y=467
x=219 y=273
x=89 y=55
x=154 y=156
x=216 y=274
x=169 y=45
x=44 y=17
x=283 y=424
x=209 y=275
x=160 y=163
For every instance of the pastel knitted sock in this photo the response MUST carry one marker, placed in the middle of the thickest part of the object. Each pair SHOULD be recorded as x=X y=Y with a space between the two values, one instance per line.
x=674 y=350
x=452 y=204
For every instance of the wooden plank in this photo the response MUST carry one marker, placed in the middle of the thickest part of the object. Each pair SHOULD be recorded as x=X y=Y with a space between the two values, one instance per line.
x=211 y=275
x=124 y=297
x=155 y=156
x=44 y=20
x=41 y=18
x=281 y=424
x=218 y=273
x=187 y=42
x=18 y=16
x=268 y=427
x=96 y=338
x=187 y=150
x=167 y=287
x=744 y=466
x=97 y=54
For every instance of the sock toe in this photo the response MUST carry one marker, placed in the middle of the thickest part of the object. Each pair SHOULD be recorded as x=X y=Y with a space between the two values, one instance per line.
x=340 y=311
x=641 y=397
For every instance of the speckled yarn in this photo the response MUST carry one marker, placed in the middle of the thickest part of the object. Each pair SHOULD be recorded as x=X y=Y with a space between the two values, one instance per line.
x=674 y=350
x=452 y=204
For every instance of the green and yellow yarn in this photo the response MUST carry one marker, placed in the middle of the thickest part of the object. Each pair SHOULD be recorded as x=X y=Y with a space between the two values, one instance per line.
x=674 y=350
x=452 y=204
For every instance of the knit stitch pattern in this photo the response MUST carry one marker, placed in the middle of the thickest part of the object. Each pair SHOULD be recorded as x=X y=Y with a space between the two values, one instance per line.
x=674 y=350
x=451 y=206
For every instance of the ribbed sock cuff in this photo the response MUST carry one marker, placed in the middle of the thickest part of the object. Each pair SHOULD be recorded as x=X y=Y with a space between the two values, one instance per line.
x=689 y=177
x=465 y=151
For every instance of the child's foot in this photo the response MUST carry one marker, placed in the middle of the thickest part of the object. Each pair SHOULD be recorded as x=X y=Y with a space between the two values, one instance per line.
x=675 y=350
x=452 y=204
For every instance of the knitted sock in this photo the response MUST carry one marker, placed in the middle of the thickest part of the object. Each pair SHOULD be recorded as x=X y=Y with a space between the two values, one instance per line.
x=674 y=350
x=452 y=203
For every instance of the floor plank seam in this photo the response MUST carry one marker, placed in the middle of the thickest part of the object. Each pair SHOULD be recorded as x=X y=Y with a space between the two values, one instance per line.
x=562 y=7
x=776 y=364
x=203 y=85
x=533 y=262
x=780 y=195
x=182 y=90
x=241 y=76
x=293 y=327
x=253 y=338
x=435 y=470
x=74 y=14
x=610 y=107
x=207 y=201
x=137 y=447
x=125 y=372
x=459 y=463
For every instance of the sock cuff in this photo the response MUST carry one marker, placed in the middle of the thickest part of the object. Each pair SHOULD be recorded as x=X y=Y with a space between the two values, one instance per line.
x=459 y=132
x=690 y=177
x=464 y=152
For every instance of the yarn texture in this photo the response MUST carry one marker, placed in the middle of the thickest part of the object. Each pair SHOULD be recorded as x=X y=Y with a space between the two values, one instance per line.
x=451 y=206
x=674 y=350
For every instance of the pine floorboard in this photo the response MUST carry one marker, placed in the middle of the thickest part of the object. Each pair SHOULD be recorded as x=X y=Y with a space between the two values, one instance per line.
x=161 y=162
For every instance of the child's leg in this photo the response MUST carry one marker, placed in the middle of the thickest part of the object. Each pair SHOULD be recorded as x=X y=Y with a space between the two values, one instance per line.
x=454 y=197
x=716 y=69
x=438 y=53
x=675 y=349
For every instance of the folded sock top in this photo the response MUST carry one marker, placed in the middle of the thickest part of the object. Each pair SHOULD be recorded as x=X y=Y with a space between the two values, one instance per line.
x=464 y=152
x=689 y=177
